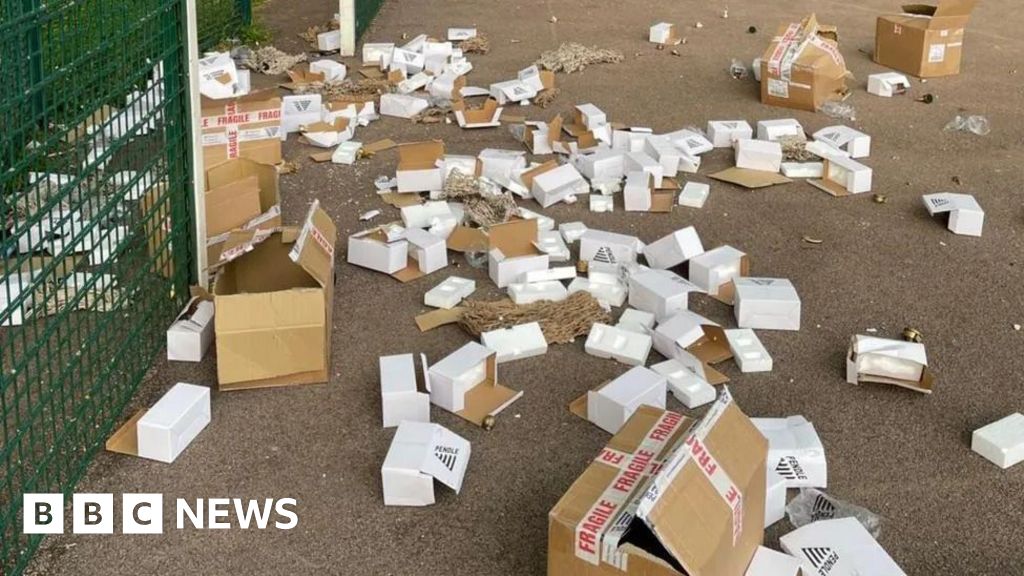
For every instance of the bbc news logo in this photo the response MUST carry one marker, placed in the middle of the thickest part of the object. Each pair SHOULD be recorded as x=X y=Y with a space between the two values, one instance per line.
x=144 y=513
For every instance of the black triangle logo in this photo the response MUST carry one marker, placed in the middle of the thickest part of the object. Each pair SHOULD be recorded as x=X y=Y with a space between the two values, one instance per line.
x=817 y=555
x=785 y=470
x=447 y=459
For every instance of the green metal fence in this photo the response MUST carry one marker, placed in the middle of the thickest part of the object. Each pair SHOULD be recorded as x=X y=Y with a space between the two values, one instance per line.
x=95 y=231
x=221 y=19
x=365 y=11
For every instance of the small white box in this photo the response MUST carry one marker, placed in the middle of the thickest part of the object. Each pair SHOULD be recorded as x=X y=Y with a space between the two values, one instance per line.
x=842 y=176
x=400 y=399
x=458 y=373
x=690 y=142
x=607 y=294
x=747 y=350
x=419 y=454
x=423 y=215
x=544 y=223
x=673 y=336
x=504 y=271
x=686 y=385
x=643 y=162
x=572 y=231
x=844 y=545
x=660 y=292
x=723 y=133
x=761 y=155
x=517 y=342
x=407 y=61
x=768 y=562
x=528 y=293
x=370 y=249
x=550 y=242
x=674 y=249
x=803 y=169
x=636 y=321
x=449 y=293
x=716 y=267
x=603 y=164
x=600 y=203
x=402 y=105
x=557 y=273
x=166 y=429
x=298 y=110
x=898 y=362
x=636 y=194
x=557 y=184
x=823 y=150
x=794 y=451
x=592 y=116
x=774 y=497
x=190 y=335
x=329 y=41
x=856 y=143
x=775 y=129
x=662 y=150
x=627 y=347
x=346 y=153
x=965 y=214
x=1001 y=442
x=766 y=304
x=459 y=34
x=531 y=77
x=608 y=247
x=332 y=71
x=611 y=405
x=662 y=33
x=511 y=91
x=694 y=194
x=378 y=53
x=429 y=251
x=630 y=139
x=888 y=84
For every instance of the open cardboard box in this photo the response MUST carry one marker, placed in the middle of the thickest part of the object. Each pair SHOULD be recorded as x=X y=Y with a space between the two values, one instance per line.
x=487 y=116
x=513 y=251
x=666 y=497
x=693 y=333
x=274 y=297
x=802 y=68
x=926 y=41
x=466 y=382
x=885 y=361
x=244 y=127
x=417 y=166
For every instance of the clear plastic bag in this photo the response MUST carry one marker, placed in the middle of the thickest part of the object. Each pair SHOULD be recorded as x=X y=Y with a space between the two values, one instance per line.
x=812 y=505
x=738 y=69
x=840 y=110
x=974 y=124
x=476 y=259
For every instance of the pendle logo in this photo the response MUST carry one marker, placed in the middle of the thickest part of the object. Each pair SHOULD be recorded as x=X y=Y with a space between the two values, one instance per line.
x=822 y=558
x=144 y=513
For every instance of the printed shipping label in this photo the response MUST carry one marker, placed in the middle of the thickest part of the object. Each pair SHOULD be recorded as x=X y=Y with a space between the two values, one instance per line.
x=936 y=53
x=778 y=88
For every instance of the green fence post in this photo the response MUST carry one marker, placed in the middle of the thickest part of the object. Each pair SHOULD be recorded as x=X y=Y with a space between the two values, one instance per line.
x=244 y=11
x=34 y=43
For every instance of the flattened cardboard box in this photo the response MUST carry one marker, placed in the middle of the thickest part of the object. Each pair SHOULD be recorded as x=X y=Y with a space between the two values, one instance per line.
x=666 y=497
x=246 y=127
x=274 y=298
x=802 y=67
x=926 y=41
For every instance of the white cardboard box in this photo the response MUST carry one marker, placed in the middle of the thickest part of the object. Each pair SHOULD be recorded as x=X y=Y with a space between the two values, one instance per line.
x=608 y=247
x=842 y=545
x=378 y=53
x=557 y=184
x=166 y=429
x=686 y=385
x=407 y=61
x=346 y=153
x=190 y=335
x=723 y=133
x=602 y=164
x=643 y=162
x=329 y=41
x=402 y=105
x=550 y=242
x=766 y=304
x=459 y=34
x=630 y=139
x=449 y=293
x=662 y=150
x=1001 y=442
x=400 y=399
x=898 y=362
x=888 y=84
x=716 y=267
x=528 y=293
x=690 y=142
x=627 y=347
x=370 y=249
x=775 y=129
x=803 y=169
x=499 y=165
x=794 y=451
x=636 y=321
x=662 y=33
x=592 y=116
x=511 y=91
x=517 y=342
x=504 y=271
x=600 y=203
x=613 y=403
x=607 y=294
x=660 y=292
x=768 y=562
x=674 y=249
x=965 y=214
x=674 y=335
x=856 y=143
x=423 y=215
x=299 y=110
x=557 y=273
x=456 y=374
x=636 y=194
x=747 y=350
x=842 y=176
x=694 y=194
x=775 y=497
x=429 y=251
x=419 y=454
x=332 y=71
x=762 y=155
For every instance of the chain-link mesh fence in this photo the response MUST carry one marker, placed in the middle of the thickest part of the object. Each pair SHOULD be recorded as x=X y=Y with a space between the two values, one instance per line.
x=365 y=11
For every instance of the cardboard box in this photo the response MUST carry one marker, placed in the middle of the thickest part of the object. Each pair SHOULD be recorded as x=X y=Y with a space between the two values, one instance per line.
x=775 y=129
x=615 y=401
x=429 y=251
x=528 y=293
x=603 y=164
x=511 y=91
x=407 y=61
x=460 y=34
x=843 y=176
x=768 y=562
x=537 y=79
x=449 y=293
x=163 y=431
x=926 y=41
x=608 y=247
x=378 y=53
x=749 y=353
x=841 y=547
x=551 y=183
x=599 y=203
x=298 y=110
x=332 y=71
x=426 y=214
x=245 y=127
x=232 y=205
x=715 y=270
x=723 y=133
x=690 y=142
x=664 y=33
x=466 y=382
x=375 y=250
x=802 y=67
x=888 y=84
x=274 y=297
x=517 y=342
x=686 y=385
x=694 y=194
x=551 y=274
x=630 y=139
x=419 y=454
x=854 y=142
x=623 y=346
x=487 y=116
x=190 y=335
x=572 y=231
x=794 y=451
x=329 y=41
x=637 y=193
x=758 y=155
x=965 y=214
x=674 y=249
x=542 y=137
x=607 y=294
x=417 y=167
x=499 y=165
x=1001 y=442
x=627 y=515
x=399 y=397
x=644 y=163
x=690 y=332
x=660 y=292
x=402 y=105
x=885 y=361
x=766 y=304
x=513 y=253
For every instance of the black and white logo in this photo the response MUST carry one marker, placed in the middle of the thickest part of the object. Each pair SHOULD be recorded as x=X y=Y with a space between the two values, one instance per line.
x=790 y=468
x=822 y=509
x=604 y=254
x=447 y=456
x=822 y=558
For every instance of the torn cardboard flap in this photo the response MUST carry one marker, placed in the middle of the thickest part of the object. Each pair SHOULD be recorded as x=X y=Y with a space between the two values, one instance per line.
x=232 y=205
x=314 y=248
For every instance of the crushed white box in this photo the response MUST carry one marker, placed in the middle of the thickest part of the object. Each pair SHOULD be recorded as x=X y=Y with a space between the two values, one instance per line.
x=419 y=454
x=768 y=562
x=613 y=403
x=674 y=249
x=887 y=361
x=764 y=155
x=965 y=214
x=402 y=105
x=190 y=335
x=840 y=547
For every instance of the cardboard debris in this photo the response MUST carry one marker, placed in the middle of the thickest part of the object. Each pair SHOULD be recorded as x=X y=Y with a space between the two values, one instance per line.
x=419 y=454
x=437 y=318
x=1001 y=442
x=965 y=214
x=466 y=382
x=751 y=179
x=885 y=361
x=841 y=547
x=163 y=431
x=802 y=67
x=924 y=40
